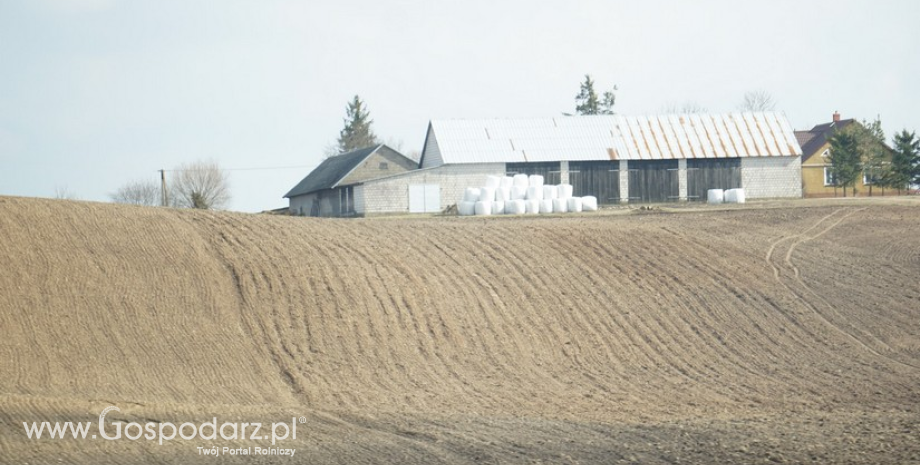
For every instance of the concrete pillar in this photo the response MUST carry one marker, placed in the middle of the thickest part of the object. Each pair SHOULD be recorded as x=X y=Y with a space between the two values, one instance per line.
x=564 y=172
x=624 y=181
x=682 y=179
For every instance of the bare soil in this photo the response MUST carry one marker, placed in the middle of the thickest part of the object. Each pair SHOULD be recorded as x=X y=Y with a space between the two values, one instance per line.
x=774 y=332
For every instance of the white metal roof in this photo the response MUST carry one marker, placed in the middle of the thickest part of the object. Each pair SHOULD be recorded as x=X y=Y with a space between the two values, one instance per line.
x=614 y=137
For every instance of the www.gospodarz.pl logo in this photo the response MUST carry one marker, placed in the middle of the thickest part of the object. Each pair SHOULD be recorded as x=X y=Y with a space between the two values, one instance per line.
x=167 y=431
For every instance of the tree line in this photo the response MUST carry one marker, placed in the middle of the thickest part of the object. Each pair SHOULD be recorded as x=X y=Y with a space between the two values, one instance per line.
x=860 y=150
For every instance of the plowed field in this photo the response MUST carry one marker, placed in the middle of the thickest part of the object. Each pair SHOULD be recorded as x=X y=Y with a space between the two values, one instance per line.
x=787 y=334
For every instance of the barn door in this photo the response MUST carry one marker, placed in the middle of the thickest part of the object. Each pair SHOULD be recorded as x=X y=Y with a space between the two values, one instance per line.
x=653 y=181
x=600 y=179
x=424 y=198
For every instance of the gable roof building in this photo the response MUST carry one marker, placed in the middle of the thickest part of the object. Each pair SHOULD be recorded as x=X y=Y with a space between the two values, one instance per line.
x=608 y=137
x=817 y=178
x=329 y=189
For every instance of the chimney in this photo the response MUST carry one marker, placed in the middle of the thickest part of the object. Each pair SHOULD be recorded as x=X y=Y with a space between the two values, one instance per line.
x=836 y=117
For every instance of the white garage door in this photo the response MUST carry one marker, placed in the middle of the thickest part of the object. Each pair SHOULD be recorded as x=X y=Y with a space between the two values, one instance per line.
x=424 y=198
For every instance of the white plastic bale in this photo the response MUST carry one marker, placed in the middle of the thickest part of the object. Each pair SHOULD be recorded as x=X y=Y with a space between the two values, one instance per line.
x=535 y=180
x=483 y=208
x=498 y=207
x=535 y=193
x=532 y=206
x=493 y=181
x=589 y=203
x=486 y=194
x=728 y=196
x=506 y=182
x=560 y=205
x=465 y=208
x=546 y=206
x=518 y=193
x=715 y=196
x=564 y=191
x=739 y=195
x=471 y=194
x=521 y=180
x=503 y=194
x=574 y=204
x=515 y=207
x=549 y=192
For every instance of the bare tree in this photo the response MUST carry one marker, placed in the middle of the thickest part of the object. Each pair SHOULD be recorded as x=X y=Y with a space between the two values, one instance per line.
x=201 y=184
x=757 y=100
x=688 y=107
x=64 y=193
x=138 y=193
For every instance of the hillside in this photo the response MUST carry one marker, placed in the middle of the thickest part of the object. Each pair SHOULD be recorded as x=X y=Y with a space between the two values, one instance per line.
x=704 y=335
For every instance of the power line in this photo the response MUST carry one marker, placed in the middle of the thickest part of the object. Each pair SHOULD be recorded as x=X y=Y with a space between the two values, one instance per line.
x=245 y=169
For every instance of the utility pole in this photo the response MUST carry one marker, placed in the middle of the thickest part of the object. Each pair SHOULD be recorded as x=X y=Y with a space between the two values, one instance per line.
x=165 y=196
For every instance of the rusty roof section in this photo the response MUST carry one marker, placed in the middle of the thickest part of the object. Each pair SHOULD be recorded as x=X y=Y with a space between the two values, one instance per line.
x=616 y=137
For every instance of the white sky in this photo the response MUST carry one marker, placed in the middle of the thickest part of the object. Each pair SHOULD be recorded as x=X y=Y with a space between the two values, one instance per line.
x=94 y=93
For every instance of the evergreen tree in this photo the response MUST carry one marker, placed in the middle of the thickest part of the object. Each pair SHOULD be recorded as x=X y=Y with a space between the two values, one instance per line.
x=870 y=138
x=904 y=162
x=357 y=132
x=588 y=102
x=845 y=159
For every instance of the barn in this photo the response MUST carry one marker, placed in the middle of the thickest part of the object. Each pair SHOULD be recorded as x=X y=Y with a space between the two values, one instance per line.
x=329 y=190
x=617 y=159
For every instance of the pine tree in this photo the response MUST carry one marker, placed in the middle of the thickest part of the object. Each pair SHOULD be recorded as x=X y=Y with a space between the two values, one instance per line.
x=588 y=103
x=905 y=160
x=357 y=132
x=845 y=160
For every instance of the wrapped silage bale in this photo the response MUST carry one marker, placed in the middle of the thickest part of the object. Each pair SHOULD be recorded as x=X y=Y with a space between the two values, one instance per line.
x=506 y=182
x=518 y=193
x=492 y=182
x=739 y=195
x=465 y=208
x=532 y=206
x=589 y=203
x=498 y=207
x=471 y=194
x=487 y=194
x=715 y=196
x=535 y=180
x=535 y=193
x=549 y=192
x=574 y=204
x=564 y=191
x=730 y=196
x=521 y=180
x=515 y=207
x=483 y=208
x=546 y=206
x=560 y=205
x=503 y=194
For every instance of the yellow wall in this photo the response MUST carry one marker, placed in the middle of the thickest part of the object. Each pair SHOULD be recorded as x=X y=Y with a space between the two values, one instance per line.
x=813 y=179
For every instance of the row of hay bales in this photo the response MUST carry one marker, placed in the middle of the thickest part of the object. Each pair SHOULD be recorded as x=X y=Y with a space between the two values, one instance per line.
x=520 y=195
x=717 y=196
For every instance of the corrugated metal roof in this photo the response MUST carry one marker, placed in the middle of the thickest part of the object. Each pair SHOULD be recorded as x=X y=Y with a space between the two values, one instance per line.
x=615 y=137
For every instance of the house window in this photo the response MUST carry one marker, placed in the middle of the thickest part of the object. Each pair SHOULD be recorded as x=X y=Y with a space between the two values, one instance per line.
x=829 y=177
x=826 y=153
x=384 y=165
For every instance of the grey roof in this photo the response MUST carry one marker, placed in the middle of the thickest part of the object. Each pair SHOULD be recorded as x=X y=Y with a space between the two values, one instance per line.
x=819 y=136
x=615 y=138
x=331 y=171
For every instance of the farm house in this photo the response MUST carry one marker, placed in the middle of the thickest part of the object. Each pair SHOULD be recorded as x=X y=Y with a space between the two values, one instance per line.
x=617 y=159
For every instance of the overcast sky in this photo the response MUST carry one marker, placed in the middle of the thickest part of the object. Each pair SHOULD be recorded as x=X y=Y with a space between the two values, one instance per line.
x=94 y=93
